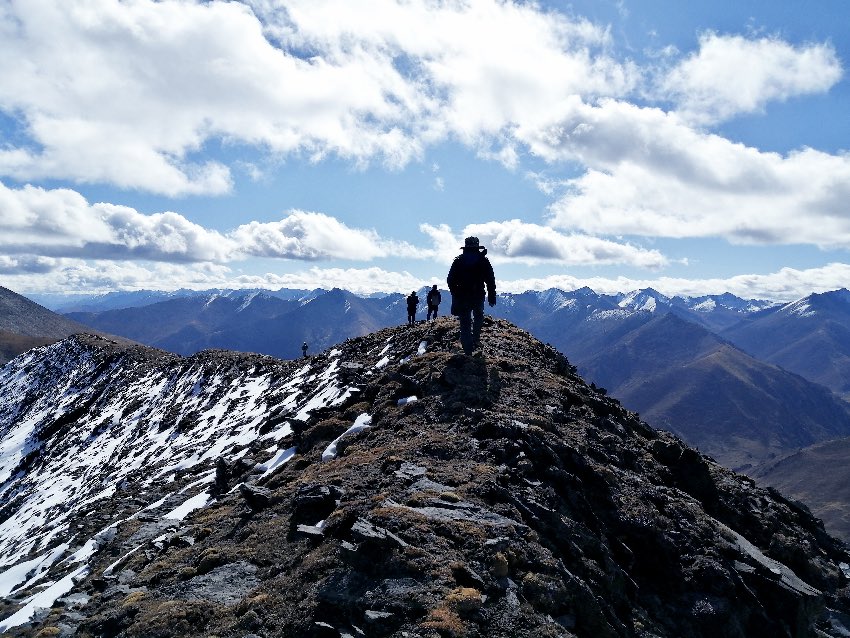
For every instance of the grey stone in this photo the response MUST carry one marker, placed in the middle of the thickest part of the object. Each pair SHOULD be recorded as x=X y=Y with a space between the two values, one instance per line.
x=257 y=497
x=365 y=532
x=227 y=584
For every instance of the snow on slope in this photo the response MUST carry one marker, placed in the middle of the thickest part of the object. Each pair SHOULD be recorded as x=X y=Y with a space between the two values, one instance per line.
x=106 y=434
x=83 y=422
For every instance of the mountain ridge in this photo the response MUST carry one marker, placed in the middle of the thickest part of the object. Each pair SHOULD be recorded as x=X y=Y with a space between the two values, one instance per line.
x=25 y=324
x=390 y=486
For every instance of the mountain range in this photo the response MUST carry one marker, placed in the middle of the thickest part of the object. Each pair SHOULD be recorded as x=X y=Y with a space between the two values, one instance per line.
x=675 y=360
x=390 y=486
x=810 y=336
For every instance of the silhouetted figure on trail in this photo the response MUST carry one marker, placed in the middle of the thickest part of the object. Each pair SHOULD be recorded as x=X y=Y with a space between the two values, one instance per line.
x=304 y=349
x=468 y=275
x=433 y=298
x=412 y=302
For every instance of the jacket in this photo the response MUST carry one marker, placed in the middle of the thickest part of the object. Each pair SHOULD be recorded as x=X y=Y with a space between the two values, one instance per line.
x=469 y=273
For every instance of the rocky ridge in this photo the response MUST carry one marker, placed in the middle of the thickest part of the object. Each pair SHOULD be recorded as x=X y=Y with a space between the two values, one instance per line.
x=390 y=487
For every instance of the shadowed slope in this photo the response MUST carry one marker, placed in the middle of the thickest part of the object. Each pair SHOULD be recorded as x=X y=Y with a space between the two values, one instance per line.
x=737 y=409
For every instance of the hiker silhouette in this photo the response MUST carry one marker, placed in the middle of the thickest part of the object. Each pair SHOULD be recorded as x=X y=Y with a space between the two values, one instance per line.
x=469 y=273
x=433 y=298
x=412 y=302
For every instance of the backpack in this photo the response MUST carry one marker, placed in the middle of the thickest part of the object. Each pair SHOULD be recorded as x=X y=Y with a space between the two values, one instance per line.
x=466 y=275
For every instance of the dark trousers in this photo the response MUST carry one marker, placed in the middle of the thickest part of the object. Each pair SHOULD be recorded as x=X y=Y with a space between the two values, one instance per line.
x=432 y=309
x=471 y=317
x=411 y=315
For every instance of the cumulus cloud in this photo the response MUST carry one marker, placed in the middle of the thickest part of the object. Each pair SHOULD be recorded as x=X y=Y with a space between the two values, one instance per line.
x=731 y=74
x=27 y=264
x=74 y=275
x=649 y=174
x=134 y=94
x=312 y=236
x=67 y=276
x=532 y=244
x=128 y=93
x=62 y=223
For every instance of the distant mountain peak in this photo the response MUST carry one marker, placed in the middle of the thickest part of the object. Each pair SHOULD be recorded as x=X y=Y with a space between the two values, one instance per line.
x=646 y=299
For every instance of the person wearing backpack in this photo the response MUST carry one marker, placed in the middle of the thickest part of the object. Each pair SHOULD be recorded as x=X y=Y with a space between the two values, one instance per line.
x=433 y=298
x=412 y=302
x=468 y=275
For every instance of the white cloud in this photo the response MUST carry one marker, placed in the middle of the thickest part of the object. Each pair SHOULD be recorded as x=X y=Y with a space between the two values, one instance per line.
x=356 y=280
x=651 y=175
x=61 y=223
x=68 y=276
x=731 y=74
x=129 y=93
x=531 y=244
x=73 y=275
x=26 y=264
x=312 y=236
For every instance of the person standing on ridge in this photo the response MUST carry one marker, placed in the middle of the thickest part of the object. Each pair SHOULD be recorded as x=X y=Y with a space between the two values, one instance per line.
x=469 y=273
x=304 y=349
x=433 y=298
x=412 y=302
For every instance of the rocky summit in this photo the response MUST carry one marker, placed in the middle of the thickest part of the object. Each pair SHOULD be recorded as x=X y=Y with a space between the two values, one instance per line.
x=389 y=487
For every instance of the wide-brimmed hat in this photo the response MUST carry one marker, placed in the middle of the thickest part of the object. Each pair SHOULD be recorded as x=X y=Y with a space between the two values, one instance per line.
x=471 y=242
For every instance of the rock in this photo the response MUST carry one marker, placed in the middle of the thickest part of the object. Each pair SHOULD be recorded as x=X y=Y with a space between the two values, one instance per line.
x=222 y=478
x=257 y=498
x=514 y=501
x=380 y=622
x=365 y=532
x=310 y=531
x=314 y=502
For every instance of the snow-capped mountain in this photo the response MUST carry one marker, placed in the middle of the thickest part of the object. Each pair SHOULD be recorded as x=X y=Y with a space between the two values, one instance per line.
x=390 y=485
x=810 y=336
x=67 y=303
x=250 y=321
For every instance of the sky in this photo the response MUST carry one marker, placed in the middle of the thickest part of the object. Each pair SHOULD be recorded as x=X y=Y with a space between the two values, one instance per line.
x=696 y=148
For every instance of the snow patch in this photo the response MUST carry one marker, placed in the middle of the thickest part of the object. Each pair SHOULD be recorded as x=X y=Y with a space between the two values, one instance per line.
x=32 y=569
x=43 y=599
x=281 y=457
x=361 y=423
x=182 y=511
x=800 y=308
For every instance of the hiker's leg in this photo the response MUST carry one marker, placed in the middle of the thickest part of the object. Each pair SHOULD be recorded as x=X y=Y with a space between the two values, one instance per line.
x=477 y=322
x=465 y=320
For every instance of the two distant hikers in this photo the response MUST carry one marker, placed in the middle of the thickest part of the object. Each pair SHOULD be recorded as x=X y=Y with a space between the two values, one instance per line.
x=412 y=302
x=470 y=272
x=433 y=299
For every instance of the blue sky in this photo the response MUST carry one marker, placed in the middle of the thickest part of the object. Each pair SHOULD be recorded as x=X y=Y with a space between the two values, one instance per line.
x=697 y=148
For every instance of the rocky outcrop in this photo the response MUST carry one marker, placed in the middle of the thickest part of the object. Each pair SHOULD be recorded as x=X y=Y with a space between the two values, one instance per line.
x=487 y=495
